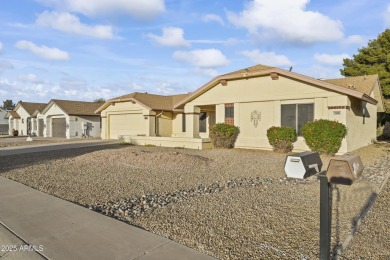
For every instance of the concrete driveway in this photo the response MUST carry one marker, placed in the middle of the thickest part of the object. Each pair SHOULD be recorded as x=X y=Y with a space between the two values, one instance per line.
x=52 y=146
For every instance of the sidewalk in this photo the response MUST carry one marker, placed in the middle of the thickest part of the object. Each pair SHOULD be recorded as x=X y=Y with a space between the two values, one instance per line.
x=64 y=230
x=52 y=147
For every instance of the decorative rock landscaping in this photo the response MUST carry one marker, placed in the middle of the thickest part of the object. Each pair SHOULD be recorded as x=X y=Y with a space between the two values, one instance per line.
x=231 y=204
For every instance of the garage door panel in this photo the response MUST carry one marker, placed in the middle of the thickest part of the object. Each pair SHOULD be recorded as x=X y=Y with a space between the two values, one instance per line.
x=58 y=127
x=126 y=124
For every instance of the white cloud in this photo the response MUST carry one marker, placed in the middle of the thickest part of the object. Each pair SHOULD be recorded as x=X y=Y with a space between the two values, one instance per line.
x=267 y=58
x=330 y=59
x=207 y=58
x=355 y=39
x=288 y=20
x=1 y=46
x=139 y=9
x=29 y=77
x=213 y=18
x=5 y=65
x=206 y=72
x=42 y=51
x=69 y=23
x=171 y=36
x=387 y=16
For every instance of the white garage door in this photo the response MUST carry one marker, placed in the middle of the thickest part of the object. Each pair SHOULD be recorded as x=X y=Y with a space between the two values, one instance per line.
x=126 y=124
x=58 y=127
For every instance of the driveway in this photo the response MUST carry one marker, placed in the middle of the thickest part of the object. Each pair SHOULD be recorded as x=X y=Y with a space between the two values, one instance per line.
x=49 y=145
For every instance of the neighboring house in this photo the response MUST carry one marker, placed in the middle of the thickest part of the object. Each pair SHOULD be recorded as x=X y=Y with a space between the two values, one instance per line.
x=20 y=118
x=3 y=122
x=141 y=115
x=68 y=119
x=254 y=99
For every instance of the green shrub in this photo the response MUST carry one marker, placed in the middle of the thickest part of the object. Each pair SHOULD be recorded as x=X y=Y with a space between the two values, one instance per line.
x=282 y=138
x=223 y=135
x=324 y=136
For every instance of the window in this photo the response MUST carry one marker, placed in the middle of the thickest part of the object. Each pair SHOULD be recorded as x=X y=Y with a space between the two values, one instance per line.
x=203 y=122
x=229 y=114
x=183 y=123
x=296 y=115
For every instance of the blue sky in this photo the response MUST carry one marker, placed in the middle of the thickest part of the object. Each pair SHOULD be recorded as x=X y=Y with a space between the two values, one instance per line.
x=83 y=50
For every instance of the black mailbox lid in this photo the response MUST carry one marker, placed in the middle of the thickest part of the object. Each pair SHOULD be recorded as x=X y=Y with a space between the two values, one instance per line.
x=309 y=158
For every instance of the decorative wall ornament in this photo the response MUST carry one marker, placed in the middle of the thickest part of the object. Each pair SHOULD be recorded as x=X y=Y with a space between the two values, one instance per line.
x=255 y=117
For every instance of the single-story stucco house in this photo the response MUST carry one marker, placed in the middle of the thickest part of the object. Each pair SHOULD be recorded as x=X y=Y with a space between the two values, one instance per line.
x=68 y=119
x=254 y=99
x=20 y=117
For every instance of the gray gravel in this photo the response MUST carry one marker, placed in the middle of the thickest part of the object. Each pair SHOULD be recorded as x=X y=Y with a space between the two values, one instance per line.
x=231 y=204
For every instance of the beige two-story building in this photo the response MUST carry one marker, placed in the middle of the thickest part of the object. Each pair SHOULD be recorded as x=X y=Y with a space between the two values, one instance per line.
x=254 y=99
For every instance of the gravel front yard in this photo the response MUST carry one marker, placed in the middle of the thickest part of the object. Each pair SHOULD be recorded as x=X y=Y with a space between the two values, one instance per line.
x=231 y=204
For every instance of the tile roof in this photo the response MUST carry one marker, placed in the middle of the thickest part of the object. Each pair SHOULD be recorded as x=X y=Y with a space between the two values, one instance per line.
x=241 y=72
x=154 y=102
x=30 y=107
x=77 y=108
x=14 y=114
x=363 y=84
x=337 y=85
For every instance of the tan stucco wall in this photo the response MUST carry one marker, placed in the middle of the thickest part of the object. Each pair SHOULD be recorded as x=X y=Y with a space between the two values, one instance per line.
x=177 y=122
x=260 y=89
x=53 y=112
x=76 y=126
x=359 y=133
x=164 y=124
x=19 y=124
x=128 y=108
x=266 y=96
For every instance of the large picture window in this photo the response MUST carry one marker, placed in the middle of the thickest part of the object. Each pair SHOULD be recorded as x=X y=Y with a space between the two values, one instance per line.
x=297 y=115
x=203 y=122
x=229 y=114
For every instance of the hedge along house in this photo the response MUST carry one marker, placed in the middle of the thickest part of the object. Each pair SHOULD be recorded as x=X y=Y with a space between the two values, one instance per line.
x=258 y=97
x=68 y=119
x=21 y=119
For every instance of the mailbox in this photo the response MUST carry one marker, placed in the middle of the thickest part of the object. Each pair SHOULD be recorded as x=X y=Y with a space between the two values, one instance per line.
x=344 y=169
x=302 y=165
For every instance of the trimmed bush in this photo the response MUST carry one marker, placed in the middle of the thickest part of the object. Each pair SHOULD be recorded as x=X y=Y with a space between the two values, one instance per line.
x=282 y=138
x=223 y=135
x=324 y=136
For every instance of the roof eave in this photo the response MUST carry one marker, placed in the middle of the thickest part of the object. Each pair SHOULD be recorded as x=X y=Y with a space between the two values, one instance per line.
x=306 y=79
x=118 y=100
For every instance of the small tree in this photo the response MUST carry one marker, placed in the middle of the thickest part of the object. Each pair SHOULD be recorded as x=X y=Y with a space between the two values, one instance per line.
x=372 y=59
x=8 y=104
x=100 y=100
x=223 y=135
x=282 y=138
x=324 y=136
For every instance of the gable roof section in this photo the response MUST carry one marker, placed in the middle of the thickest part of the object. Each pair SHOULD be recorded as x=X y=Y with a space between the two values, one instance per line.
x=149 y=101
x=30 y=107
x=364 y=84
x=261 y=70
x=74 y=108
x=14 y=114
x=368 y=85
